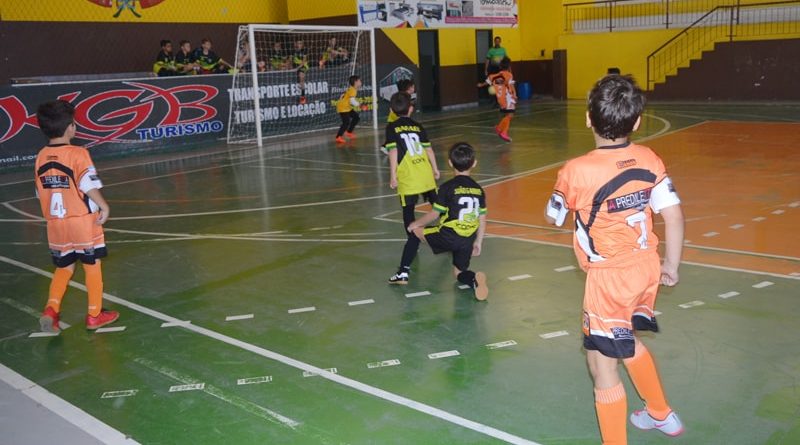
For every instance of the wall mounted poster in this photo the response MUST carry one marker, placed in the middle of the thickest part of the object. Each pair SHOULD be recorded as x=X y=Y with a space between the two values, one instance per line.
x=437 y=13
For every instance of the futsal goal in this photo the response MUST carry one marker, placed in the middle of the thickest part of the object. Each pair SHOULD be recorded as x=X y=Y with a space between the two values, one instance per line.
x=288 y=79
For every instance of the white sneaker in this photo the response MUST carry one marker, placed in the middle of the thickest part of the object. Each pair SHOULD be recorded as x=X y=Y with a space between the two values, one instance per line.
x=671 y=426
x=399 y=278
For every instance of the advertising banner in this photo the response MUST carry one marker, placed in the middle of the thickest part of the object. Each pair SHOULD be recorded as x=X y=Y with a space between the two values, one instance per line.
x=437 y=13
x=118 y=116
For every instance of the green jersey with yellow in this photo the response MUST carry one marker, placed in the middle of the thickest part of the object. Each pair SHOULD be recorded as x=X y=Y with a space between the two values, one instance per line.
x=414 y=171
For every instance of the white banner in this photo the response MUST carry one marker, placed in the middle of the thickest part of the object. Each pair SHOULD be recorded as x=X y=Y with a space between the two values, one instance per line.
x=437 y=13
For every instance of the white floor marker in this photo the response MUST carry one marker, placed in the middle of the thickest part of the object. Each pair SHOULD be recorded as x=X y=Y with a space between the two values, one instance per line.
x=554 y=334
x=691 y=304
x=302 y=309
x=730 y=294
x=239 y=317
x=443 y=354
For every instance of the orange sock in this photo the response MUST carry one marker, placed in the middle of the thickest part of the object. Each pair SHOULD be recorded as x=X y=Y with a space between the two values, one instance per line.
x=612 y=408
x=94 y=286
x=58 y=287
x=505 y=122
x=644 y=376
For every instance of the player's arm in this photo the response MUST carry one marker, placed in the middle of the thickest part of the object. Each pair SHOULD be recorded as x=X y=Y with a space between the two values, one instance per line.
x=432 y=159
x=354 y=102
x=105 y=210
x=555 y=211
x=424 y=220
x=477 y=246
x=392 y=165
x=664 y=200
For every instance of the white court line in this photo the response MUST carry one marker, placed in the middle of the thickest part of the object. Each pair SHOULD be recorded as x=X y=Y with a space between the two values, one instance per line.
x=710 y=234
x=188 y=387
x=502 y=344
x=43 y=334
x=116 y=394
x=64 y=409
x=555 y=334
x=564 y=268
x=464 y=286
x=443 y=354
x=691 y=304
x=302 y=309
x=239 y=317
x=763 y=284
x=794 y=204
x=727 y=295
x=417 y=294
x=383 y=364
x=778 y=212
x=314 y=374
x=254 y=380
x=170 y=324
x=351 y=383
x=111 y=329
x=759 y=218
x=520 y=277
x=736 y=226
x=360 y=302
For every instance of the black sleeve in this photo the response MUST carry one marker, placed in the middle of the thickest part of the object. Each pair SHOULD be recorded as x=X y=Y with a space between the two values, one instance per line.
x=391 y=137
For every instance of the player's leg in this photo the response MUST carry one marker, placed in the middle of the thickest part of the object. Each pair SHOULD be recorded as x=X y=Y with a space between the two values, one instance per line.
x=48 y=322
x=408 y=203
x=96 y=317
x=354 y=119
x=342 y=128
x=462 y=255
x=641 y=367
x=503 y=126
x=610 y=402
x=608 y=337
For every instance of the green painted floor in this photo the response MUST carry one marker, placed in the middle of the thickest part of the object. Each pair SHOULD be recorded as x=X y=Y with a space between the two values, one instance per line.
x=206 y=234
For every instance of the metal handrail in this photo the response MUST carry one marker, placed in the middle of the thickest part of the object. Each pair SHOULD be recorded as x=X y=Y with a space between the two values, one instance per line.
x=665 y=8
x=732 y=21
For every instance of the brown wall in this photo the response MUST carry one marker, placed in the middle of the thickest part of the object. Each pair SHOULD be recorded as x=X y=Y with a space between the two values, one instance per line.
x=31 y=49
x=757 y=70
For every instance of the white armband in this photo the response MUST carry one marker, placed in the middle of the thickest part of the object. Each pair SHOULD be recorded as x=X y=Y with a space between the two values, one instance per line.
x=557 y=209
x=663 y=195
x=90 y=181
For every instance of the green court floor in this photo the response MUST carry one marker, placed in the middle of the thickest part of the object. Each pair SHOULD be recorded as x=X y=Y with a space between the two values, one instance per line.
x=296 y=242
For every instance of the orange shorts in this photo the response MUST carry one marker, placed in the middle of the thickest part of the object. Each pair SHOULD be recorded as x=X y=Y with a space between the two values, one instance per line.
x=76 y=238
x=618 y=301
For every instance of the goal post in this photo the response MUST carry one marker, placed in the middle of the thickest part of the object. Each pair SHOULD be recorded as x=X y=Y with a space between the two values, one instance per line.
x=288 y=79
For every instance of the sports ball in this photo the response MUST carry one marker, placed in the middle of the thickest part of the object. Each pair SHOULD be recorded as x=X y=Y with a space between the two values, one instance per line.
x=492 y=91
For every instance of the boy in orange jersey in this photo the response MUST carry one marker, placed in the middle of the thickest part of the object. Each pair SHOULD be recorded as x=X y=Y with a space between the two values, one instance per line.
x=69 y=192
x=613 y=192
x=503 y=84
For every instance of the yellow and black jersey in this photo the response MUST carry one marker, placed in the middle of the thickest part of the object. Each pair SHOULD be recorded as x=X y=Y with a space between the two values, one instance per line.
x=414 y=171
x=164 y=60
x=461 y=201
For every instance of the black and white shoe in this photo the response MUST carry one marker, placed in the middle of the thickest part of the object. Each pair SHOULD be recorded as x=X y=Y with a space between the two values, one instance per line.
x=399 y=278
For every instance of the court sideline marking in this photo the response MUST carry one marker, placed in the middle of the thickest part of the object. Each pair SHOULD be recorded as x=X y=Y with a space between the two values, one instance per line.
x=354 y=384
x=67 y=411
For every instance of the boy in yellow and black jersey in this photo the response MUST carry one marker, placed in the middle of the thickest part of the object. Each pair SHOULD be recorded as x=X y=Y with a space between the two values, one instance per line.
x=461 y=210
x=413 y=170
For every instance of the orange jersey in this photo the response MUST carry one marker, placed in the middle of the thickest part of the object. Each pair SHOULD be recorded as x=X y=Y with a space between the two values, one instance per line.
x=503 y=83
x=64 y=173
x=613 y=192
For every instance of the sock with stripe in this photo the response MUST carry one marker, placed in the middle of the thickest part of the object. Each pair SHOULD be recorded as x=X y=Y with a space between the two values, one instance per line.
x=612 y=408
x=58 y=287
x=94 y=286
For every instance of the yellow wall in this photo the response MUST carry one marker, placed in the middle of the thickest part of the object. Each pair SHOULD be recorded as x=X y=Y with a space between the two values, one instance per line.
x=541 y=22
x=316 y=9
x=590 y=55
x=178 y=11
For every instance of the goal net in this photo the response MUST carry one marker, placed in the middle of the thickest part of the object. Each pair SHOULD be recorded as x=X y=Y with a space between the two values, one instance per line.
x=289 y=78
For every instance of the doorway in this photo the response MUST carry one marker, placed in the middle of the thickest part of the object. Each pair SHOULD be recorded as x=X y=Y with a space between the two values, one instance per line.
x=483 y=41
x=428 y=91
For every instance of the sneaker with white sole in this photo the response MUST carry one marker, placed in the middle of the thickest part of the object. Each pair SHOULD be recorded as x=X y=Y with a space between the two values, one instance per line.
x=399 y=278
x=671 y=426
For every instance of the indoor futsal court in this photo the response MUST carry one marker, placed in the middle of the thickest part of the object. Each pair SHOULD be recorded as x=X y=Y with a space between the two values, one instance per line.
x=253 y=296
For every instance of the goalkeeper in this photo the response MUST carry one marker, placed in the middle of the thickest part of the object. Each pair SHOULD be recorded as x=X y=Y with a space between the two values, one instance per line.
x=347 y=107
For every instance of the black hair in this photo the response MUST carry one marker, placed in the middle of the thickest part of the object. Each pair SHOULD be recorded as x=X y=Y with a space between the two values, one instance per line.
x=615 y=103
x=400 y=103
x=54 y=117
x=462 y=156
x=205 y=39
x=614 y=70
x=352 y=80
x=505 y=64
x=404 y=84
x=183 y=42
x=498 y=37
x=165 y=42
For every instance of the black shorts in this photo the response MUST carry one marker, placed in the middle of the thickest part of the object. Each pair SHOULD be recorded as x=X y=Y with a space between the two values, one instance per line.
x=445 y=240
x=507 y=111
x=411 y=200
